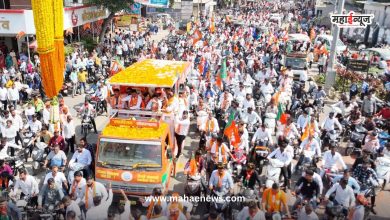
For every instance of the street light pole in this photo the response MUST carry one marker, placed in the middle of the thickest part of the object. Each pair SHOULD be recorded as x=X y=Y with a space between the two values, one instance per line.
x=331 y=73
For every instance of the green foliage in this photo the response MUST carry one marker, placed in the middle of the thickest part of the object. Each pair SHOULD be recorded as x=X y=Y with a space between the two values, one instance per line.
x=320 y=79
x=112 y=5
x=89 y=43
x=69 y=49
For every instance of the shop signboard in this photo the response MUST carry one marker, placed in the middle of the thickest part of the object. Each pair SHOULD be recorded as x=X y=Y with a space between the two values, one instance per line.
x=159 y=3
x=134 y=9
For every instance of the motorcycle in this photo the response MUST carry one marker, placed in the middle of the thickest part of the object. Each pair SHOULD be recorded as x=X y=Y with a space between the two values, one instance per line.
x=66 y=89
x=38 y=155
x=27 y=143
x=259 y=156
x=319 y=105
x=354 y=146
x=221 y=205
x=383 y=171
x=331 y=138
x=16 y=163
x=86 y=124
x=195 y=187
x=249 y=195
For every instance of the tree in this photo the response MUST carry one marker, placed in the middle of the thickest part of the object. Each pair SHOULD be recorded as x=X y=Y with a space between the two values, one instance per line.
x=113 y=6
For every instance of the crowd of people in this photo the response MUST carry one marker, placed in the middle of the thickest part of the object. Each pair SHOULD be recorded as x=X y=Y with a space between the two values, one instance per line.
x=238 y=76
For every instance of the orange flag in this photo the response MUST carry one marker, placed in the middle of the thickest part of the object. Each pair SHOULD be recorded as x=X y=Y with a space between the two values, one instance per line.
x=196 y=37
x=20 y=35
x=87 y=26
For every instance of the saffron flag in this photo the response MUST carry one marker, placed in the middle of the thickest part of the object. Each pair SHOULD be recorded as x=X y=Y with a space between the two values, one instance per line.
x=308 y=129
x=228 y=19
x=193 y=169
x=231 y=130
x=212 y=25
x=201 y=66
x=218 y=81
x=196 y=37
x=87 y=26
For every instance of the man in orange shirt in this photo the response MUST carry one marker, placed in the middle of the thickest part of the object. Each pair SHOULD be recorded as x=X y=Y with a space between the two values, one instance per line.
x=272 y=201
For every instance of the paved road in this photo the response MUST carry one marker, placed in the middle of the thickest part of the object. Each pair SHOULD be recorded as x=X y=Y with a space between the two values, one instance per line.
x=177 y=183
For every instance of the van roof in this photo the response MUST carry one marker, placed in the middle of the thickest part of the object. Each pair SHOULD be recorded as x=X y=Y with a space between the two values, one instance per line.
x=135 y=132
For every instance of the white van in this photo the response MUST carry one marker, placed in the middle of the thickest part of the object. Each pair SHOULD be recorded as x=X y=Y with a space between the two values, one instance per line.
x=340 y=46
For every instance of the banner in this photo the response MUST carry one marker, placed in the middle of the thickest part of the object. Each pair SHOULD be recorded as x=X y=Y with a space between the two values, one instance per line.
x=134 y=9
x=160 y=3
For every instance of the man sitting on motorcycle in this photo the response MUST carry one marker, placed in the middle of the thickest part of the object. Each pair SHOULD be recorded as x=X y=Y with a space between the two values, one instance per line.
x=309 y=149
x=210 y=125
x=87 y=110
x=366 y=155
x=221 y=180
x=264 y=134
x=220 y=151
x=344 y=196
x=250 y=176
x=329 y=125
x=83 y=157
x=285 y=157
x=302 y=120
x=273 y=201
x=251 y=212
x=195 y=165
x=176 y=208
x=56 y=157
x=267 y=90
x=288 y=130
x=367 y=178
x=307 y=190
x=330 y=161
x=371 y=143
x=350 y=181
x=318 y=95
x=51 y=195
x=251 y=118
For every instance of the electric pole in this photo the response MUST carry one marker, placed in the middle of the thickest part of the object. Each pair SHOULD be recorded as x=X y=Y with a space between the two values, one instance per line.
x=331 y=73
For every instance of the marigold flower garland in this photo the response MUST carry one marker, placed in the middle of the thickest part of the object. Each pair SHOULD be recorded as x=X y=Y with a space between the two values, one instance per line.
x=44 y=15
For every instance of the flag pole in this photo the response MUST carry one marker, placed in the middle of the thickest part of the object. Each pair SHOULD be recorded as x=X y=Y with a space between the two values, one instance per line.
x=28 y=48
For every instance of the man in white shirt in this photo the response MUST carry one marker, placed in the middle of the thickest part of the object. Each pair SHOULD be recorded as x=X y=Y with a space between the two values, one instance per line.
x=307 y=213
x=329 y=124
x=69 y=133
x=3 y=96
x=71 y=205
x=91 y=190
x=288 y=130
x=251 y=212
x=56 y=157
x=17 y=123
x=262 y=134
x=266 y=88
x=76 y=187
x=28 y=185
x=303 y=75
x=181 y=131
x=302 y=120
x=35 y=125
x=309 y=149
x=250 y=117
x=330 y=160
x=8 y=132
x=100 y=209
x=282 y=155
x=59 y=177
x=13 y=95
x=210 y=125
x=248 y=102
x=81 y=156
x=344 y=195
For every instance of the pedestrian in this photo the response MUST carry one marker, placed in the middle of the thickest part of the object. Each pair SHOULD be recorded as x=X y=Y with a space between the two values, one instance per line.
x=181 y=131
x=82 y=78
x=69 y=133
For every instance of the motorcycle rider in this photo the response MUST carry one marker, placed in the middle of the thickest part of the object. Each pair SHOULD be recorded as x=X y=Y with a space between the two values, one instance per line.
x=262 y=133
x=251 y=118
x=367 y=178
x=209 y=144
x=59 y=177
x=248 y=102
x=220 y=151
x=152 y=201
x=251 y=212
x=288 y=130
x=101 y=93
x=371 y=143
x=307 y=190
x=51 y=195
x=302 y=120
x=91 y=190
x=57 y=139
x=28 y=186
x=266 y=89
x=200 y=165
x=9 y=134
x=83 y=157
x=210 y=125
x=307 y=213
x=76 y=186
x=56 y=157
x=87 y=110
x=282 y=154
x=309 y=149
x=35 y=125
x=318 y=95
x=250 y=176
x=4 y=145
x=366 y=155
x=330 y=160
x=273 y=201
x=350 y=181
x=343 y=195
x=221 y=180
x=329 y=125
x=176 y=206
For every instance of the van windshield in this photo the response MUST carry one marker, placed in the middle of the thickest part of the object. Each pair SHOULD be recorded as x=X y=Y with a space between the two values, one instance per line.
x=131 y=154
x=296 y=63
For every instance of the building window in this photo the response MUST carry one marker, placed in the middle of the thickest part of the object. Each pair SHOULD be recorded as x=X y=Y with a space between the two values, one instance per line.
x=5 y=4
